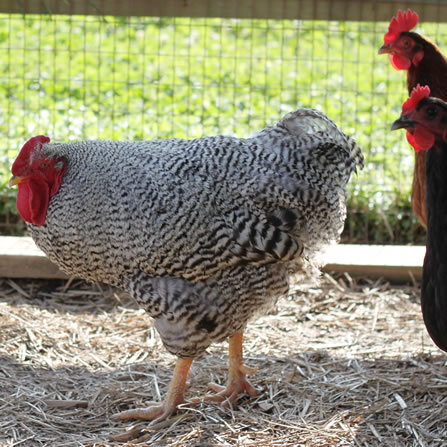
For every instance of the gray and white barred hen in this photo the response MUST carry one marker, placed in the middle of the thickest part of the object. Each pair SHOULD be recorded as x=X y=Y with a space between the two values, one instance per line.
x=203 y=233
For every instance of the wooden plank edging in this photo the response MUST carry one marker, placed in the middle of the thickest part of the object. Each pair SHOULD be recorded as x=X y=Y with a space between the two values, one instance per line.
x=20 y=258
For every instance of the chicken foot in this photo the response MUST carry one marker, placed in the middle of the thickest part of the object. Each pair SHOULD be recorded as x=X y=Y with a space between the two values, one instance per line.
x=155 y=411
x=236 y=385
x=237 y=382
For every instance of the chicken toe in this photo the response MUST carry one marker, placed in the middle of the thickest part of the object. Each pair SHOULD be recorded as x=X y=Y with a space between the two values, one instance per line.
x=237 y=383
x=157 y=412
x=154 y=412
x=230 y=393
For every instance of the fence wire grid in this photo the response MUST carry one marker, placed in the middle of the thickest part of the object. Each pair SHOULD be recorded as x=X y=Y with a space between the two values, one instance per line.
x=93 y=77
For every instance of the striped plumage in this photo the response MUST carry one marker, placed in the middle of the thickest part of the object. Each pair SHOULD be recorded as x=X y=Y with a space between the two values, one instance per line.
x=202 y=233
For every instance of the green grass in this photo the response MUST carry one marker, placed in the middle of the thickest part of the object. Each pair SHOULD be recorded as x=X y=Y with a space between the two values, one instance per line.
x=142 y=78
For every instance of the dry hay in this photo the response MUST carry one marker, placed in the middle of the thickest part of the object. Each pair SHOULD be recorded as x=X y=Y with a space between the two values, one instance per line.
x=340 y=364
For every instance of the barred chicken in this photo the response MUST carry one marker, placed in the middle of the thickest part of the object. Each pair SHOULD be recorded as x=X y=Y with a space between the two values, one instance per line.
x=203 y=233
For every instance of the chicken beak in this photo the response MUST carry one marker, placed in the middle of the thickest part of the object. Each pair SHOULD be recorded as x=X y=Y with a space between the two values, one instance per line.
x=15 y=181
x=384 y=49
x=402 y=123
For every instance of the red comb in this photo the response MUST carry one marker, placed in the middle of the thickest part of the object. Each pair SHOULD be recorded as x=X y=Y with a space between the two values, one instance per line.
x=26 y=150
x=404 y=21
x=417 y=94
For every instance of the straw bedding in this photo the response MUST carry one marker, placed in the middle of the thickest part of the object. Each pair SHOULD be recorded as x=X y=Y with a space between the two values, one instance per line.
x=343 y=363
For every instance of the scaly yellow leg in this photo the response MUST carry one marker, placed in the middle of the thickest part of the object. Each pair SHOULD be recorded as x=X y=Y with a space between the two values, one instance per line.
x=157 y=412
x=237 y=382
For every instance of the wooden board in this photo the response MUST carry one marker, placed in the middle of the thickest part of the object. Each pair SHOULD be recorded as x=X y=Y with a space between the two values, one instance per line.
x=394 y=262
x=20 y=258
x=358 y=10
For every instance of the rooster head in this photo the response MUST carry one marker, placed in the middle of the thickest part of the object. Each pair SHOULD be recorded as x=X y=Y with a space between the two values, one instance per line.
x=404 y=47
x=424 y=117
x=38 y=177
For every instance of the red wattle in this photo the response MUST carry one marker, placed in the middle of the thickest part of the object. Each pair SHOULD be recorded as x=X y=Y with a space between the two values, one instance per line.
x=32 y=201
x=400 y=62
x=421 y=139
x=23 y=205
x=412 y=141
x=424 y=138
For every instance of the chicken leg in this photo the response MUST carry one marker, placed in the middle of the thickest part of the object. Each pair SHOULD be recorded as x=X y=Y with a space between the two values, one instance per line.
x=236 y=383
x=155 y=411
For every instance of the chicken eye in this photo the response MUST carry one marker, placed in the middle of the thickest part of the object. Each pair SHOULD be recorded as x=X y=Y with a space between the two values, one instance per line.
x=43 y=166
x=406 y=43
x=431 y=112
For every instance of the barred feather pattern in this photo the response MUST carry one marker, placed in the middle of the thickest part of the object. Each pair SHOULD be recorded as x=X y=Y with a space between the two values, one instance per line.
x=202 y=233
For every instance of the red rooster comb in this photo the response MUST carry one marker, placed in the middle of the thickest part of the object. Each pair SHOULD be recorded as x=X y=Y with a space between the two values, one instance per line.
x=417 y=94
x=404 y=21
x=25 y=153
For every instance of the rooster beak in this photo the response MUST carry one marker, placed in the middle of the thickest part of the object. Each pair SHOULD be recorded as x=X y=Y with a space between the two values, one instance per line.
x=402 y=123
x=15 y=180
x=385 y=49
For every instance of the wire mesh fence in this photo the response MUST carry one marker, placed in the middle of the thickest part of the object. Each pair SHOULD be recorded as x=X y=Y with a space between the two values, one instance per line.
x=104 y=77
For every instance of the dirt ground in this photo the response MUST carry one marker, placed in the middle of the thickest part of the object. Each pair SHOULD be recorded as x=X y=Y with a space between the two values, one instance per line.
x=343 y=363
